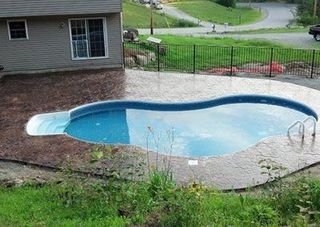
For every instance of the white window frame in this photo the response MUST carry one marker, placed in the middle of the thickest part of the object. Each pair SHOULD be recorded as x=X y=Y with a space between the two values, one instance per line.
x=106 y=46
x=26 y=27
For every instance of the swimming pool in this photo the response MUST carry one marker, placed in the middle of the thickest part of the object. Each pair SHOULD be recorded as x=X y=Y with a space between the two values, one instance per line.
x=197 y=129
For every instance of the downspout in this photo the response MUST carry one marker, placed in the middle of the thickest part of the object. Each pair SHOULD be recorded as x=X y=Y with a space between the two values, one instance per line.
x=122 y=41
x=1 y=75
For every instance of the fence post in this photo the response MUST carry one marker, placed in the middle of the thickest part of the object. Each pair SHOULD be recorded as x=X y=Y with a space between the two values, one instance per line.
x=158 y=56
x=271 y=60
x=194 y=59
x=312 y=64
x=231 y=62
x=123 y=56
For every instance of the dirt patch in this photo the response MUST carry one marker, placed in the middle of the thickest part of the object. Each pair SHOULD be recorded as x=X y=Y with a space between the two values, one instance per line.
x=23 y=96
x=13 y=174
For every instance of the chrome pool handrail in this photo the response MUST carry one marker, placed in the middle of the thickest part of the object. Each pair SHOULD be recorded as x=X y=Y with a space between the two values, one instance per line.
x=301 y=128
x=314 y=121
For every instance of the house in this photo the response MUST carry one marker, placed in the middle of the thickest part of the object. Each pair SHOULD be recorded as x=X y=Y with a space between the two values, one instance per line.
x=57 y=35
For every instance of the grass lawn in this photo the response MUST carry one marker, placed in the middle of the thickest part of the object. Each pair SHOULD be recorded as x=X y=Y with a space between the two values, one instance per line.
x=216 y=52
x=215 y=13
x=138 y=16
x=158 y=202
x=190 y=40
x=273 y=30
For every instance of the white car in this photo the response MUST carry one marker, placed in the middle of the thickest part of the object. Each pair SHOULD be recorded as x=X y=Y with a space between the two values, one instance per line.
x=159 y=7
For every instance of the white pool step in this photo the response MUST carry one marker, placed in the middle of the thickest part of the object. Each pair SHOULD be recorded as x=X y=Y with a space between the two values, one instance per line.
x=48 y=124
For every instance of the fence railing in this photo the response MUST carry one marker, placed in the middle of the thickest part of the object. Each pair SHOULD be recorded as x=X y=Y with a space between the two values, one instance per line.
x=222 y=60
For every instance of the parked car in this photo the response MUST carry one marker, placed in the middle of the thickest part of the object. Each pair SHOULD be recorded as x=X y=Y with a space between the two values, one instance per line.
x=131 y=34
x=315 y=31
x=155 y=5
x=158 y=7
x=144 y=1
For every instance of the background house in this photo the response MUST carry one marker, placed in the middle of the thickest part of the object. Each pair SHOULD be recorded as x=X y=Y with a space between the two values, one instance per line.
x=51 y=35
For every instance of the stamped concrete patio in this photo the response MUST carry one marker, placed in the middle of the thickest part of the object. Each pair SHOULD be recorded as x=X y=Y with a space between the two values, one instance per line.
x=24 y=96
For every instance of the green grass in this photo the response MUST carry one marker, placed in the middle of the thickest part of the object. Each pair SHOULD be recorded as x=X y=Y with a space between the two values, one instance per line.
x=216 y=52
x=158 y=202
x=273 y=30
x=190 y=40
x=138 y=16
x=212 y=12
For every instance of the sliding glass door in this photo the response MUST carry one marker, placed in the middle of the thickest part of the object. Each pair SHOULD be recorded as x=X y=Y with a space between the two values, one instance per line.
x=88 y=38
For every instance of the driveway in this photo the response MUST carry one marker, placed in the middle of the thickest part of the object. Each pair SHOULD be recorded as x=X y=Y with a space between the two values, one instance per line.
x=277 y=15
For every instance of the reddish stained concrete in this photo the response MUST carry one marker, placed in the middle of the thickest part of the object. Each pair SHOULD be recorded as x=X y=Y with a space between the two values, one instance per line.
x=23 y=96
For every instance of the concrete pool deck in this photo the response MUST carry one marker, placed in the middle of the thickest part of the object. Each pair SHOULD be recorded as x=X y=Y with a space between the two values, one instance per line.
x=24 y=96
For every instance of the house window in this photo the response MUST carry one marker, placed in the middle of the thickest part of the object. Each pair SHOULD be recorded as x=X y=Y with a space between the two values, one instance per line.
x=17 y=29
x=88 y=38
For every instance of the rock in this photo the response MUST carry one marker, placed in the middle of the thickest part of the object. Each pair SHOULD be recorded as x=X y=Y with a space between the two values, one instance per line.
x=129 y=61
x=152 y=56
x=251 y=65
x=301 y=65
x=11 y=182
x=142 y=60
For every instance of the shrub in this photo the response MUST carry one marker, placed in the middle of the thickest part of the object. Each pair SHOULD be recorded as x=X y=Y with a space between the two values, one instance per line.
x=184 y=23
x=307 y=19
x=158 y=202
x=261 y=214
x=227 y=3
x=300 y=198
x=305 y=13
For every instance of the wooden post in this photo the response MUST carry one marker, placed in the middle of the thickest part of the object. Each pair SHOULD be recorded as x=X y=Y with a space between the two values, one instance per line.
x=315 y=3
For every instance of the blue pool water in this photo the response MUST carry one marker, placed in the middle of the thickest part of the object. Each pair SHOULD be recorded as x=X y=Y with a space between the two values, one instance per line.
x=210 y=131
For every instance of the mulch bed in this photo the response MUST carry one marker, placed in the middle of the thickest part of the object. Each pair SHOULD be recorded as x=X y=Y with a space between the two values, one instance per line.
x=23 y=96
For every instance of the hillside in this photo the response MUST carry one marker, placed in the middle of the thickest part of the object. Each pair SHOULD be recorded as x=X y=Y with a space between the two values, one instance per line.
x=138 y=16
x=212 y=12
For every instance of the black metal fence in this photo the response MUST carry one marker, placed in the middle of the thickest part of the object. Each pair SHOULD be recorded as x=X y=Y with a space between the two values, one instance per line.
x=222 y=60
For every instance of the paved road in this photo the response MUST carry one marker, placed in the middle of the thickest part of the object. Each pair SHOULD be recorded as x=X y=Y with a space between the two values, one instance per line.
x=277 y=15
x=174 y=12
x=297 y=40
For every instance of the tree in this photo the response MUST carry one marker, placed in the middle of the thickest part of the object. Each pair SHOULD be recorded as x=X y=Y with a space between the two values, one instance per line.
x=227 y=3
x=309 y=12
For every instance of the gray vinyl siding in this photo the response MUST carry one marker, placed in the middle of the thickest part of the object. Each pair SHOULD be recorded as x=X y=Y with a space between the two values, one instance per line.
x=49 y=47
x=23 y=8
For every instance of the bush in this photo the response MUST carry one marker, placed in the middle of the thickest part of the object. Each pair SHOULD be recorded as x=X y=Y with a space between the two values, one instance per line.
x=305 y=13
x=227 y=3
x=184 y=23
x=308 y=20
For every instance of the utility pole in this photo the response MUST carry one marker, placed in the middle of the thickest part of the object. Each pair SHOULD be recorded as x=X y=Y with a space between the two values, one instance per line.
x=315 y=3
x=151 y=17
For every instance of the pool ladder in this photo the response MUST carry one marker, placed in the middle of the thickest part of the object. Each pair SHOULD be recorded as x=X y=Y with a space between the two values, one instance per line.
x=302 y=126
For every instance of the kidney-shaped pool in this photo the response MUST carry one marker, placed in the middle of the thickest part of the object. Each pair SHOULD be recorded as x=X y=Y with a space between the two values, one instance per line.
x=196 y=129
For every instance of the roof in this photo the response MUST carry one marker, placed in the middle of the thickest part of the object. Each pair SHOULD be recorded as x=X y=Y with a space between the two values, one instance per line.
x=26 y=8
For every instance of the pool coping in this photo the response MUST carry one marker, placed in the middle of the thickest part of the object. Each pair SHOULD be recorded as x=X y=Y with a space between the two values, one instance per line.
x=186 y=106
